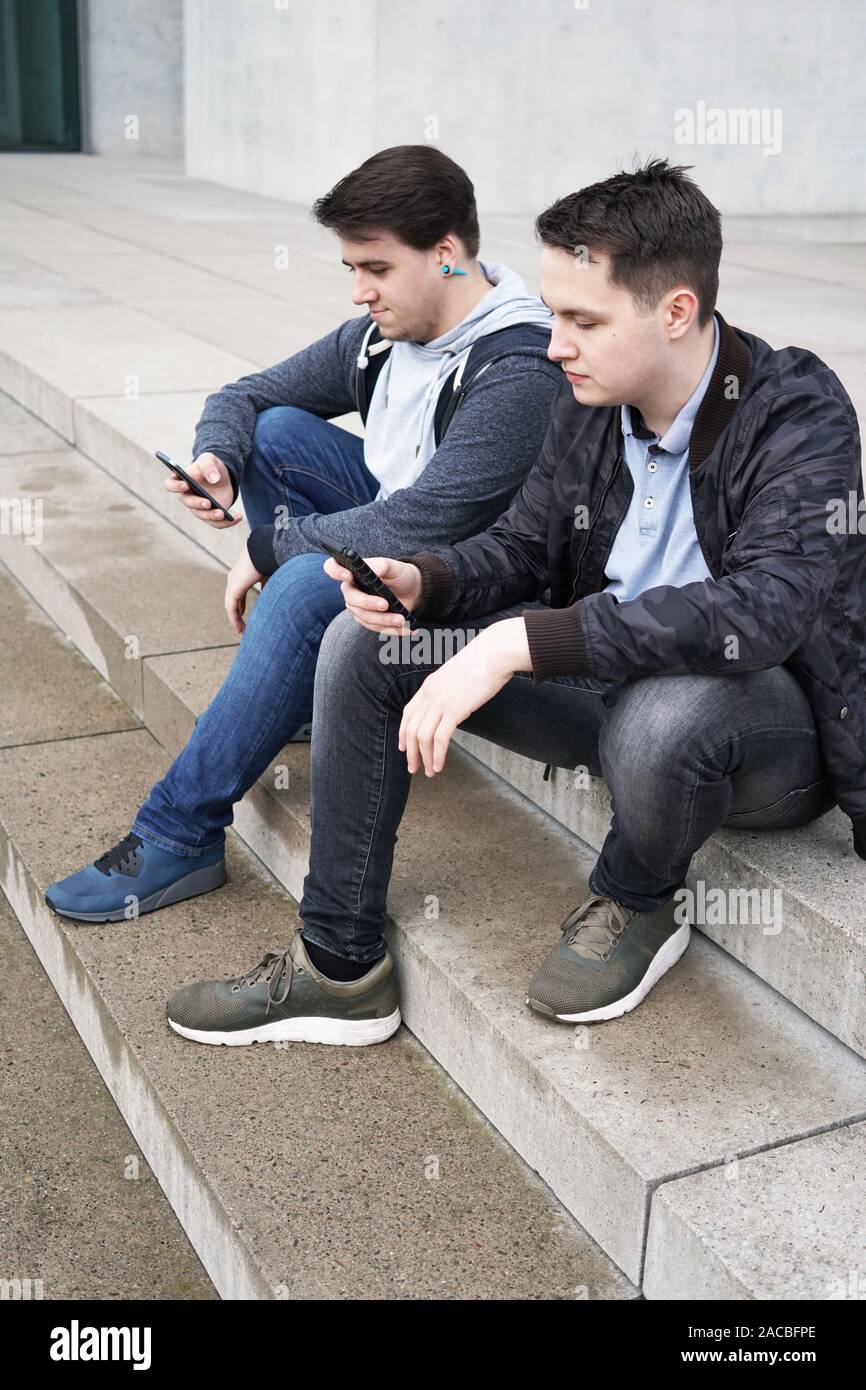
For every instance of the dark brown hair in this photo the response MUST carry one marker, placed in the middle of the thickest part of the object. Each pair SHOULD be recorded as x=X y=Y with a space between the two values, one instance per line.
x=413 y=191
x=655 y=224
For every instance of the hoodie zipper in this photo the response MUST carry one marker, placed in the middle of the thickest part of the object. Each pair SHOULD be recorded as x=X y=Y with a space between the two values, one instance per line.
x=435 y=386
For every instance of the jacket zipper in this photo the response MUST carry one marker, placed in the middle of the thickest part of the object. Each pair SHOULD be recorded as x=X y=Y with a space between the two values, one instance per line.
x=594 y=518
x=607 y=487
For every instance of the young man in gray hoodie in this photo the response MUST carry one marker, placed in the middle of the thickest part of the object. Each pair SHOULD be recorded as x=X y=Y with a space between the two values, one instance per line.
x=449 y=368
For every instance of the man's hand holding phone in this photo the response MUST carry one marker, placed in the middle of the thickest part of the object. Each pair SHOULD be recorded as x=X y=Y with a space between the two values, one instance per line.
x=212 y=474
x=370 y=610
x=458 y=687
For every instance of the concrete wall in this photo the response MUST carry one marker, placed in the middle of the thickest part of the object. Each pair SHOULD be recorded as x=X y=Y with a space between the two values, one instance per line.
x=132 y=76
x=284 y=96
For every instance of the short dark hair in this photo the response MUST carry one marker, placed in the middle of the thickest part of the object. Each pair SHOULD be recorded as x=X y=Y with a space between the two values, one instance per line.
x=413 y=191
x=656 y=226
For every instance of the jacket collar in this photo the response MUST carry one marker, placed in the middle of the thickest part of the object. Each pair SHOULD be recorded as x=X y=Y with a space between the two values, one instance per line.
x=722 y=394
x=720 y=398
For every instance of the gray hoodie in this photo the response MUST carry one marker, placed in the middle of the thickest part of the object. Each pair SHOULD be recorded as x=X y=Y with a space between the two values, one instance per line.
x=398 y=437
x=437 y=496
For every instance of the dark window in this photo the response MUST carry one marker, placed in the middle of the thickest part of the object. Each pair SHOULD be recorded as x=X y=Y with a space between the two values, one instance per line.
x=39 y=75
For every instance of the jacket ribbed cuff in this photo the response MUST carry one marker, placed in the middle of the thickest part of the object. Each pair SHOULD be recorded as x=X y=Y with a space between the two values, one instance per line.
x=438 y=583
x=233 y=474
x=260 y=548
x=557 y=642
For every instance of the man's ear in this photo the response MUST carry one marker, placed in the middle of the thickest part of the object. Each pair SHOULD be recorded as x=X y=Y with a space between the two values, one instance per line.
x=448 y=250
x=681 y=311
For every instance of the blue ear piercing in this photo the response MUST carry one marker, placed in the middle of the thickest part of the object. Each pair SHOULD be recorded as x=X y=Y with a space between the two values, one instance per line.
x=448 y=270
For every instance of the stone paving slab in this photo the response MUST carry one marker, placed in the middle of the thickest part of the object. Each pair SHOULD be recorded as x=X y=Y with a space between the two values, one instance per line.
x=789 y=1224
x=237 y=319
x=304 y=280
x=120 y=434
x=49 y=690
x=120 y=583
x=48 y=357
x=23 y=433
x=80 y=1209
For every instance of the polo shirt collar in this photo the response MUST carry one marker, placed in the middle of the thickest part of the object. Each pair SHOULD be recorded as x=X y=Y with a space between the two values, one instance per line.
x=677 y=436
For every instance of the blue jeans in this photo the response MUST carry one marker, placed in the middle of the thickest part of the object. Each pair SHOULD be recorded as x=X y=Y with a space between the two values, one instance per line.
x=682 y=756
x=306 y=465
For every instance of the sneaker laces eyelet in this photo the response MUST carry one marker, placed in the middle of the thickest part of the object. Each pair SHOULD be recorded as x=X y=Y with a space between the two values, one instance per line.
x=123 y=856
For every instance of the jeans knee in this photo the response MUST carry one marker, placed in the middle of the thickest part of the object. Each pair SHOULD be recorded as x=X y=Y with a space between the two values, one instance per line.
x=298 y=601
x=658 y=726
x=275 y=424
x=347 y=648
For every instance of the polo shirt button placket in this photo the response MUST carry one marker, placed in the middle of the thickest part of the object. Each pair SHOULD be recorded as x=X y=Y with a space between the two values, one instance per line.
x=652 y=467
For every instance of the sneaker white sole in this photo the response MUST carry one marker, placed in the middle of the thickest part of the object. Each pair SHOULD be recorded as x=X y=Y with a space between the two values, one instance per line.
x=336 y=1031
x=661 y=962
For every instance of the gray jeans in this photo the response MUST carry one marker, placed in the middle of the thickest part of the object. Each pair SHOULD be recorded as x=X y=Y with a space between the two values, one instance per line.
x=682 y=756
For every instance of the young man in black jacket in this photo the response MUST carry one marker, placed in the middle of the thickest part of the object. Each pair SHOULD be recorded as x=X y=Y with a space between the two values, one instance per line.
x=704 y=649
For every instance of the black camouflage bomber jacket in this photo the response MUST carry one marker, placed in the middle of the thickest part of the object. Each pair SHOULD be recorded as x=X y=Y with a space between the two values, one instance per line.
x=777 y=495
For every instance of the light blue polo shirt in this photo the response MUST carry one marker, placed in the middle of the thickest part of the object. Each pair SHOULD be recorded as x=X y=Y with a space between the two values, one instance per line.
x=657 y=542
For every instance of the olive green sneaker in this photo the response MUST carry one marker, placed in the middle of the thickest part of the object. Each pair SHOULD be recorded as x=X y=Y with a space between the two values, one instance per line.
x=286 y=999
x=607 y=961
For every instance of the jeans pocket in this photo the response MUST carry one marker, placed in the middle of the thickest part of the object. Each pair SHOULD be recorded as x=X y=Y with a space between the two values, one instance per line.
x=797 y=807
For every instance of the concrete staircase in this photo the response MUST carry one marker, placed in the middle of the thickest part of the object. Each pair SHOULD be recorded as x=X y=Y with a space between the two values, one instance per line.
x=296 y=1172
x=708 y=1143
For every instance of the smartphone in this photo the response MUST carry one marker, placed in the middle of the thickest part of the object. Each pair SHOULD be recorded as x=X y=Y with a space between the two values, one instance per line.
x=366 y=579
x=191 y=482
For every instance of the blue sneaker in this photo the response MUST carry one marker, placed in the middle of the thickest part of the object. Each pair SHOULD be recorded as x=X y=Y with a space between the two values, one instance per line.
x=133 y=878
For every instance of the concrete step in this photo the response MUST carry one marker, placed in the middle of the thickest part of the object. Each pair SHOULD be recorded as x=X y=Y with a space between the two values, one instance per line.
x=53 y=353
x=23 y=433
x=291 y=1169
x=114 y=578
x=60 y=1198
x=813 y=947
x=709 y=1233
x=120 y=435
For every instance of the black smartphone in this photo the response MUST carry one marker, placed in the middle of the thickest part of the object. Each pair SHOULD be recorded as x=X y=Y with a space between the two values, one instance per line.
x=191 y=482
x=366 y=579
